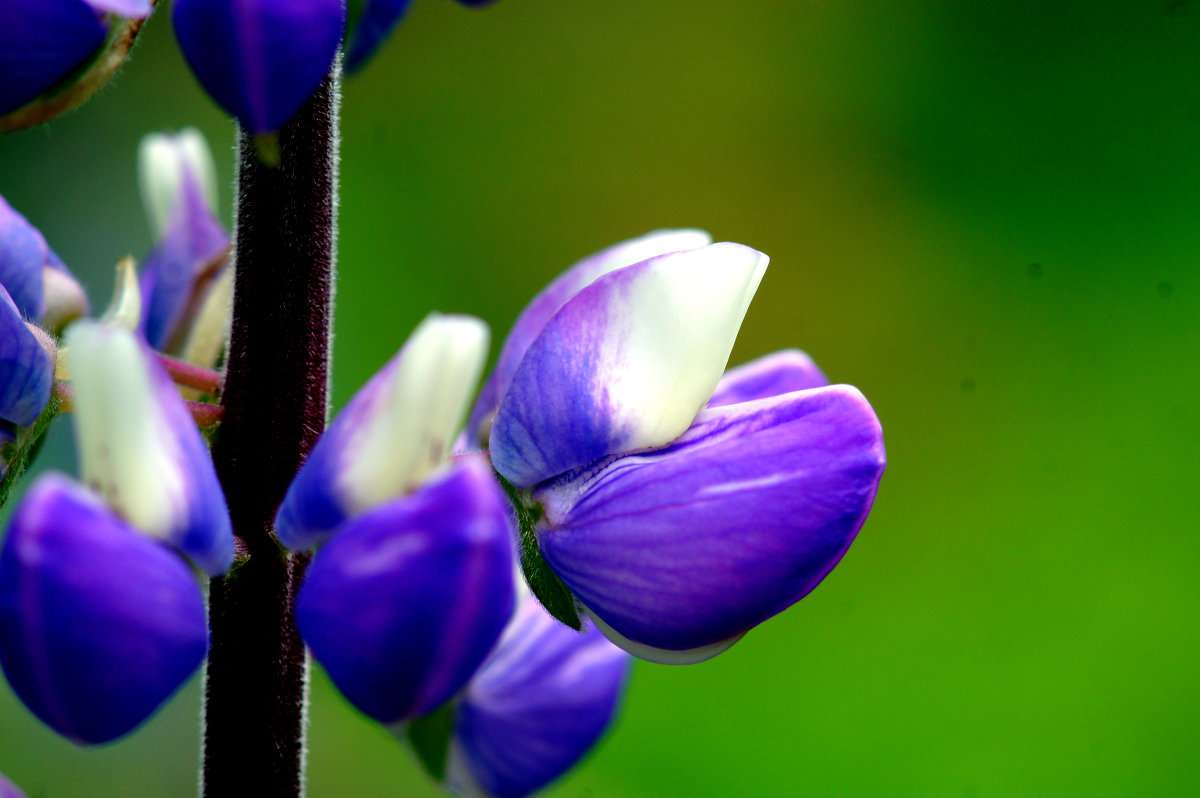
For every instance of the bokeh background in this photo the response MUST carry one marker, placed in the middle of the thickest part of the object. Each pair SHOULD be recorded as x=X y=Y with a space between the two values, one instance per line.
x=984 y=215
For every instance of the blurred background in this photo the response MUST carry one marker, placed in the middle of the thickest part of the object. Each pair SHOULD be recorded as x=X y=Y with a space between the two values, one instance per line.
x=984 y=215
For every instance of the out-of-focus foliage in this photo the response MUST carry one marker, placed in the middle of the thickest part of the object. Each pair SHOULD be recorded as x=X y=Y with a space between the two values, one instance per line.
x=983 y=215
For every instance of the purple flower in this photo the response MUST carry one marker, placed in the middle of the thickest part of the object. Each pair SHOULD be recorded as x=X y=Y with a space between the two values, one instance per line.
x=405 y=602
x=179 y=190
x=99 y=625
x=35 y=278
x=139 y=448
x=541 y=700
x=679 y=509
x=43 y=41
x=414 y=585
x=260 y=59
x=8 y=789
x=26 y=368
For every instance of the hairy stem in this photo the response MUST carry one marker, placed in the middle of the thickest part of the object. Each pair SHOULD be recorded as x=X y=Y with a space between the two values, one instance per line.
x=275 y=407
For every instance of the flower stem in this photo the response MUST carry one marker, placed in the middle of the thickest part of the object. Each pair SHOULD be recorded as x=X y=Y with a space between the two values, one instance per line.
x=275 y=408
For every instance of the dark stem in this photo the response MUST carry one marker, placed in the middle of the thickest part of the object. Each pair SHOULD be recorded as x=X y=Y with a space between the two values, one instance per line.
x=275 y=407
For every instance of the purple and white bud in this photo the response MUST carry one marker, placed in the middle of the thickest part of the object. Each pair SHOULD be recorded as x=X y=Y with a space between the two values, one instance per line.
x=139 y=448
x=405 y=602
x=396 y=431
x=41 y=286
x=99 y=625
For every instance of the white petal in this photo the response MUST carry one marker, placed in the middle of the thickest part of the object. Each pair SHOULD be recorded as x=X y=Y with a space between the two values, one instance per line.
x=417 y=414
x=661 y=655
x=163 y=160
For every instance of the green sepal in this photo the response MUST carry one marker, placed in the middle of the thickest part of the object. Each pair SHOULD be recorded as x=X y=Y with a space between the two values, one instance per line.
x=21 y=454
x=543 y=582
x=430 y=737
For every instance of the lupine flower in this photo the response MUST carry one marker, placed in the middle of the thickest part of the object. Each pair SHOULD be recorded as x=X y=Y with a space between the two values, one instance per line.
x=260 y=59
x=374 y=22
x=36 y=279
x=178 y=184
x=99 y=624
x=44 y=41
x=677 y=528
x=8 y=789
x=414 y=585
x=540 y=702
x=26 y=368
x=139 y=448
x=101 y=619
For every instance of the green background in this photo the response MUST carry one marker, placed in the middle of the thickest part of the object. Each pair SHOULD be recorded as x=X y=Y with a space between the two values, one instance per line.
x=984 y=215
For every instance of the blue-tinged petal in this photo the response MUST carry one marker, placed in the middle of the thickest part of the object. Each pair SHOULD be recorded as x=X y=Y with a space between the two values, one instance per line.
x=377 y=20
x=626 y=363
x=403 y=605
x=139 y=447
x=540 y=702
x=395 y=431
x=26 y=369
x=8 y=789
x=187 y=257
x=40 y=43
x=98 y=625
x=543 y=307
x=259 y=59
x=689 y=546
x=23 y=256
x=781 y=372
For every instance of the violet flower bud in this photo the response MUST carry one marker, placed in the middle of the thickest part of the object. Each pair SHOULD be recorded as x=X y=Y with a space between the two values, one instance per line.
x=678 y=528
x=178 y=184
x=99 y=625
x=406 y=601
x=540 y=702
x=395 y=432
x=36 y=279
x=8 y=789
x=260 y=60
x=139 y=448
x=26 y=368
x=44 y=41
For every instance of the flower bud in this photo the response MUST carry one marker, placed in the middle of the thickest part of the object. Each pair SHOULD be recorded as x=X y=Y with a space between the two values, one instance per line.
x=392 y=435
x=26 y=368
x=167 y=162
x=36 y=279
x=406 y=601
x=140 y=449
x=179 y=190
x=260 y=60
x=44 y=41
x=99 y=625
x=542 y=699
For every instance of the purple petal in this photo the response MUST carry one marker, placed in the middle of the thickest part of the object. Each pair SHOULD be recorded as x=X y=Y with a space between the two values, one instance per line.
x=26 y=371
x=395 y=431
x=540 y=702
x=23 y=255
x=133 y=9
x=626 y=363
x=99 y=625
x=375 y=22
x=259 y=59
x=543 y=307
x=403 y=605
x=139 y=446
x=41 y=42
x=172 y=273
x=690 y=546
x=8 y=789
x=772 y=375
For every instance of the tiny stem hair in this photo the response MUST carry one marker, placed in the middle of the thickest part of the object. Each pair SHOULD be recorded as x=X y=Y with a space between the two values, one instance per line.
x=275 y=407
